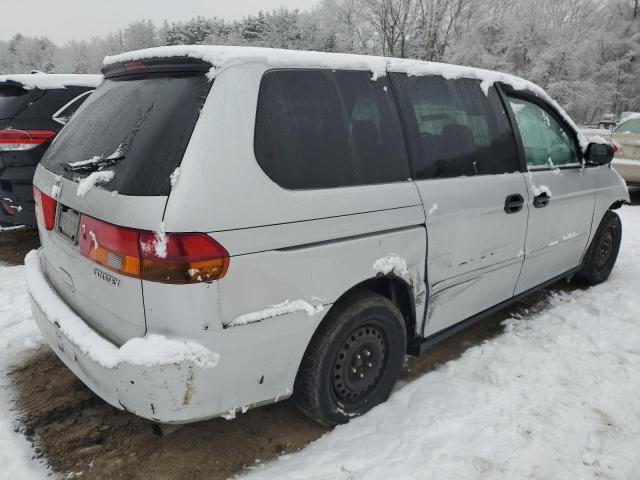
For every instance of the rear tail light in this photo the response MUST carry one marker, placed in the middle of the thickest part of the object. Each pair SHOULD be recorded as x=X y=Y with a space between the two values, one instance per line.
x=135 y=66
x=45 y=209
x=177 y=258
x=14 y=140
x=614 y=147
x=8 y=207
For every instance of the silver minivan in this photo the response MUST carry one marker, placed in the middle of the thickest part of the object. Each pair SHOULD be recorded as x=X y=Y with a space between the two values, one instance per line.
x=226 y=227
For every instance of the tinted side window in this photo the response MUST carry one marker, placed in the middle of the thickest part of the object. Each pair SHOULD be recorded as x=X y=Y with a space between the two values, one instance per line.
x=545 y=141
x=457 y=129
x=321 y=129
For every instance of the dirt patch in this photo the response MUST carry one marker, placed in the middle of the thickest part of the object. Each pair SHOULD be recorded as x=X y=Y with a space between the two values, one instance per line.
x=77 y=432
x=16 y=243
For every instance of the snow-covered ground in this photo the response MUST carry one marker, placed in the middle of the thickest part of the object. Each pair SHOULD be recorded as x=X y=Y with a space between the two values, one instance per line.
x=554 y=397
x=18 y=334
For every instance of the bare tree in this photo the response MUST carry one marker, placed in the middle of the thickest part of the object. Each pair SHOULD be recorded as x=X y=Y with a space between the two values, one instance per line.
x=394 y=22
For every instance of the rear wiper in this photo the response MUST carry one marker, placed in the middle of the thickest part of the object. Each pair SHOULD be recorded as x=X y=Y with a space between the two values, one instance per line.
x=95 y=163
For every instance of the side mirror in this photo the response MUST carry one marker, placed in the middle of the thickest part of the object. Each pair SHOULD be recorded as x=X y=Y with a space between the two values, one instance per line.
x=599 y=153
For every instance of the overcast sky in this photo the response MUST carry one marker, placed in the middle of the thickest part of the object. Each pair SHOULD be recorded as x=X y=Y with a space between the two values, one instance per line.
x=64 y=20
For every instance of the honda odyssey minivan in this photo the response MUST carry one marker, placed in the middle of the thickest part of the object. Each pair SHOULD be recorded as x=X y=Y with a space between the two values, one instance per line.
x=226 y=227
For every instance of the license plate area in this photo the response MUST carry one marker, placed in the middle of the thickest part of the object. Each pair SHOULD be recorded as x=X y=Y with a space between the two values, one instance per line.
x=68 y=223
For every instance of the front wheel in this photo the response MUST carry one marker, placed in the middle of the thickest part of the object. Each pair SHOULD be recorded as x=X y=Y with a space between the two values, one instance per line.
x=603 y=252
x=353 y=361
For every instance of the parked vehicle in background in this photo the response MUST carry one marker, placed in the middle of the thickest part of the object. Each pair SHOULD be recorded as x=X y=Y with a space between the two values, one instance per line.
x=33 y=109
x=607 y=121
x=298 y=222
x=624 y=115
x=626 y=138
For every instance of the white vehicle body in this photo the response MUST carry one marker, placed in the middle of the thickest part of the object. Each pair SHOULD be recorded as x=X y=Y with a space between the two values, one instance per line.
x=445 y=249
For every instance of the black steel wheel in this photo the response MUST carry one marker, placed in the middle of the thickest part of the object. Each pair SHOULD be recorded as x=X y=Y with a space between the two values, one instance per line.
x=353 y=360
x=603 y=251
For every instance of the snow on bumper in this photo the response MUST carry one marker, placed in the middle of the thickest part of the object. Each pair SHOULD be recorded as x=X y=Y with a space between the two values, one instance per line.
x=153 y=377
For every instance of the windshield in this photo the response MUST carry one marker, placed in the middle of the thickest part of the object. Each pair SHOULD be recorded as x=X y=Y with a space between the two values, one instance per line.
x=630 y=126
x=136 y=127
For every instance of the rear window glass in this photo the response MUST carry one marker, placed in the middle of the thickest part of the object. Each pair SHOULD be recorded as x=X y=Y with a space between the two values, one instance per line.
x=322 y=129
x=137 y=127
x=458 y=130
x=13 y=100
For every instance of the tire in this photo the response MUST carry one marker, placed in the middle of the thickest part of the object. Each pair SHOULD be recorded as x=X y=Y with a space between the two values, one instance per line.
x=353 y=360
x=603 y=251
x=601 y=126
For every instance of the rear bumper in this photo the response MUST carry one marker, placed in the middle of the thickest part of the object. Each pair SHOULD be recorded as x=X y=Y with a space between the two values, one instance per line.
x=145 y=378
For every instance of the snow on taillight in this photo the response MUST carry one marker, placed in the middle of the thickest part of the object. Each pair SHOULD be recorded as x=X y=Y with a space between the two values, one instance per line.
x=176 y=258
x=14 y=140
x=45 y=209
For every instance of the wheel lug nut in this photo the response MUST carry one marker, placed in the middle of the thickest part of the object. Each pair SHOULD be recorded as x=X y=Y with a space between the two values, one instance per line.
x=369 y=364
x=353 y=370
x=362 y=375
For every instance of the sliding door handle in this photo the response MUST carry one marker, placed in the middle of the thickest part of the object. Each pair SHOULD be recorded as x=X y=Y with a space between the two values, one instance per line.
x=513 y=203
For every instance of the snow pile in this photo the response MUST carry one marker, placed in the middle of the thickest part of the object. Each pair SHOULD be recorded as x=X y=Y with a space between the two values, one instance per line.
x=18 y=335
x=599 y=139
x=83 y=163
x=433 y=209
x=555 y=397
x=539 y=190
x=96 y=178
x=173 y=178
x=46 y=81
x=271 y=311
x=391 y=263
x=157 y=246
x=149 y=351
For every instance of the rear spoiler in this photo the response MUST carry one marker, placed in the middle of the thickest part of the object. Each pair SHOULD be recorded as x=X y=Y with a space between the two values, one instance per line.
x=157 y=65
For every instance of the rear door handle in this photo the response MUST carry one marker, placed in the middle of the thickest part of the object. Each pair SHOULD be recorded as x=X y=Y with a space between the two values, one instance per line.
x=542 y=200
x=513 y=203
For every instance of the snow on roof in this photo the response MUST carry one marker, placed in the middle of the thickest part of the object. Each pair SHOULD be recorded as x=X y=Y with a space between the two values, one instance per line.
x=45 y=81
x=222 y=57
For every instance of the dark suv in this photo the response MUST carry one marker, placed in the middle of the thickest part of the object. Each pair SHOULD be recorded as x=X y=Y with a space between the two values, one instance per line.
x=33 y=109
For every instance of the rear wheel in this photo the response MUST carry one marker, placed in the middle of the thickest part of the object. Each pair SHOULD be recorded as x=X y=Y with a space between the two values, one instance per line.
x=353 y=360
x=603 y=252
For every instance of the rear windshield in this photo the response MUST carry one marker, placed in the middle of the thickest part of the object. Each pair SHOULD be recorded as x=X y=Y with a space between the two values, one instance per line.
x=12 y=100
x=137 y=127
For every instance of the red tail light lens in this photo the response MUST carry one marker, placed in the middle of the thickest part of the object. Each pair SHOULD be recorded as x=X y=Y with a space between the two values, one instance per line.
x=13 y=140
x=8 y=207
x=176 y=258
x=115 y=248
x=190 y=258
x=45 y=209
x=135 y=66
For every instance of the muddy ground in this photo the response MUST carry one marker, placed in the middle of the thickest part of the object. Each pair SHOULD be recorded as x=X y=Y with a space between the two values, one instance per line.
x=75 y=431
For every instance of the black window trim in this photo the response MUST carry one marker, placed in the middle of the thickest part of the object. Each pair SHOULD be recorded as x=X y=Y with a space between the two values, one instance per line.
x=56 y=116
x=529 y=96
x=318 y=69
